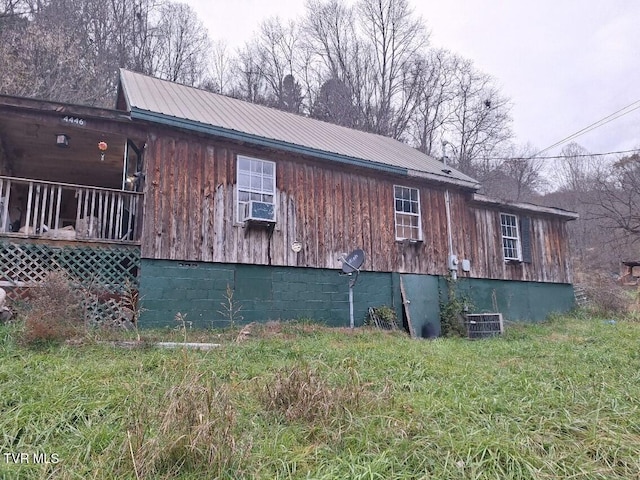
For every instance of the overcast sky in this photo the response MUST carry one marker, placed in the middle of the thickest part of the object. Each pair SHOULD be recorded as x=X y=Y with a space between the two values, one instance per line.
x=565 y=64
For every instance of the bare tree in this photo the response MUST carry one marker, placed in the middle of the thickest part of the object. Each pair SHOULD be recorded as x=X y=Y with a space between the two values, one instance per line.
x=56 y=51
x=183 y=45
x=276 y=50
x=480 y=121
x=45 y=62
x=584 y=185
x=134 y=34
x=618 y=196
x=395 y=37
x=71 y=50
x=330 y=36
x=221 y=76
x=518 y=177
x=577 y=170
x=374 y=50
x=248 y=83
x=335 y=62
x=434 y=82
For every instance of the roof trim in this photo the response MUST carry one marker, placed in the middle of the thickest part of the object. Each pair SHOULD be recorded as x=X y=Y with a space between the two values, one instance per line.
x=527 y=207
x=139 y=114
x=444 y=179
x=61 y=108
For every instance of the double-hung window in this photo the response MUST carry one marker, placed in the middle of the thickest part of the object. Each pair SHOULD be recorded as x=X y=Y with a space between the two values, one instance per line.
x=510 y=237
x=256 y=180
x=407 y=213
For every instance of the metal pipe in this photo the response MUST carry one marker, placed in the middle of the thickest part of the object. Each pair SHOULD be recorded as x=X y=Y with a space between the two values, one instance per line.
x=351 y=323
x=447 y=207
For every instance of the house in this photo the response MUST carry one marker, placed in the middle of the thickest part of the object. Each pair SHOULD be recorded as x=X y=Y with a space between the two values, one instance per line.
x=197 y=192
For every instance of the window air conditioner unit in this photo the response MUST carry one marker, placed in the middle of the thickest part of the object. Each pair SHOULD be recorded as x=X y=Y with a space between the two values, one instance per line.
x=260 y=212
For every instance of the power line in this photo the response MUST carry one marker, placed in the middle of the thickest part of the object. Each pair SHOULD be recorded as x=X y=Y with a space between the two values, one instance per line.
x=603 y=121
x=635 y=150
x=552 y=157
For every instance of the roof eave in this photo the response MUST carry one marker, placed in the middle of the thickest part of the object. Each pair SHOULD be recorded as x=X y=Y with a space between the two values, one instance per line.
x=528 y=207
x=445 y=179
x=61 y=108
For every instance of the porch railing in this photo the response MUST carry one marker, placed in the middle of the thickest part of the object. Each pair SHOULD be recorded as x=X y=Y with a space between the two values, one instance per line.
x=37 y=208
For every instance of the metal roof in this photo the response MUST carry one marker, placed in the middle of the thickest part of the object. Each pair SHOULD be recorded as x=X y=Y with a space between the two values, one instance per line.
x=527 y=207
x=173 y=104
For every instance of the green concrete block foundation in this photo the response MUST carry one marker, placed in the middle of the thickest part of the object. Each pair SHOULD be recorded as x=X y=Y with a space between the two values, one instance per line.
x=518 y=301
x=198 y=289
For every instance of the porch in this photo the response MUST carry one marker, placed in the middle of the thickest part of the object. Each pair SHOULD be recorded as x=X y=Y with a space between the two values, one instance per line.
x=64 y=211
x=70 y=195
x=91 y=233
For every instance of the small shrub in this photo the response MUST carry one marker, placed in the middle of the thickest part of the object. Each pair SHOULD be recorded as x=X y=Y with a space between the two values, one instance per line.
x=55 y=312
x=119 y=311
x=301 y=393
x=605 y=297
x=452 y=312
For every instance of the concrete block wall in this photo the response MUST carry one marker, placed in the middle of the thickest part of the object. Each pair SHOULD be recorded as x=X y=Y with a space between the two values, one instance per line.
x=518 y=301
x=197 y=290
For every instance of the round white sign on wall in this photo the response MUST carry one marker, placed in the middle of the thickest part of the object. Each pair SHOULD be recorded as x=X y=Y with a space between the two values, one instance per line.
x=296 y=246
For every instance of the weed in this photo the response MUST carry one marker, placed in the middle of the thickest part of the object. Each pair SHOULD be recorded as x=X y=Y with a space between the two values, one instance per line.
x=192 y=430
x=231 y=308
x=605 y=297
x=181 y=319
x=130 y=306
x=452 y=311
x=301 y=393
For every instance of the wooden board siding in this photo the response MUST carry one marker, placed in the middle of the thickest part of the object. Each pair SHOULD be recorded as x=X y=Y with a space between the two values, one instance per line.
x=190 y=215
x=549 y=249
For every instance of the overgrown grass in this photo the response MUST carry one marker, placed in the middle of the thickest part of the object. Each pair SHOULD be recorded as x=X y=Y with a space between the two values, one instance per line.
x=546 y=401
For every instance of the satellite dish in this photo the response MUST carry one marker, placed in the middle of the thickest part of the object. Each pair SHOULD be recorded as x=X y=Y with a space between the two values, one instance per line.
x=353 y=261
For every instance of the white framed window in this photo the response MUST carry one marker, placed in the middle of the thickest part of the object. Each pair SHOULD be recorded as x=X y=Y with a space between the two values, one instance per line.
x=256 y=180
x=407 y=213
x=510 y=237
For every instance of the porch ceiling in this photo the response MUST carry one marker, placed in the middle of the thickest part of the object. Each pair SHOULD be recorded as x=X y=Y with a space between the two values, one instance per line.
x=31 y=151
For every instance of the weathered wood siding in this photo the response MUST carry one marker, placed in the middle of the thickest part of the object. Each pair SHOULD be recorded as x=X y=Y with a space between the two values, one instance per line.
x=5 y=168
x=549 y=248
x=331 y=209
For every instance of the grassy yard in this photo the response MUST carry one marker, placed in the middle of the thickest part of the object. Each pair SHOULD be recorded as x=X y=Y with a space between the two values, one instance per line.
x=554 y=400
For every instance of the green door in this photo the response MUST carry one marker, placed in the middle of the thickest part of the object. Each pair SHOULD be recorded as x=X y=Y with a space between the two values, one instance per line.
x=422 y=304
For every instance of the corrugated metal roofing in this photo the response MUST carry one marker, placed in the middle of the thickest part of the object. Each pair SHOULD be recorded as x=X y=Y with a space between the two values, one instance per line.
x=527 y=207
x=171 y=103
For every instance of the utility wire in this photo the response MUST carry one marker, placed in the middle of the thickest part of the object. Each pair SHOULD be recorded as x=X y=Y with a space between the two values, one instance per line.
x=601 y=124
x=551 y=157
x=603 y=121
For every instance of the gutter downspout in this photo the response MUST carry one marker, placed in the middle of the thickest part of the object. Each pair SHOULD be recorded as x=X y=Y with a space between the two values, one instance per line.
x=452 y=262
